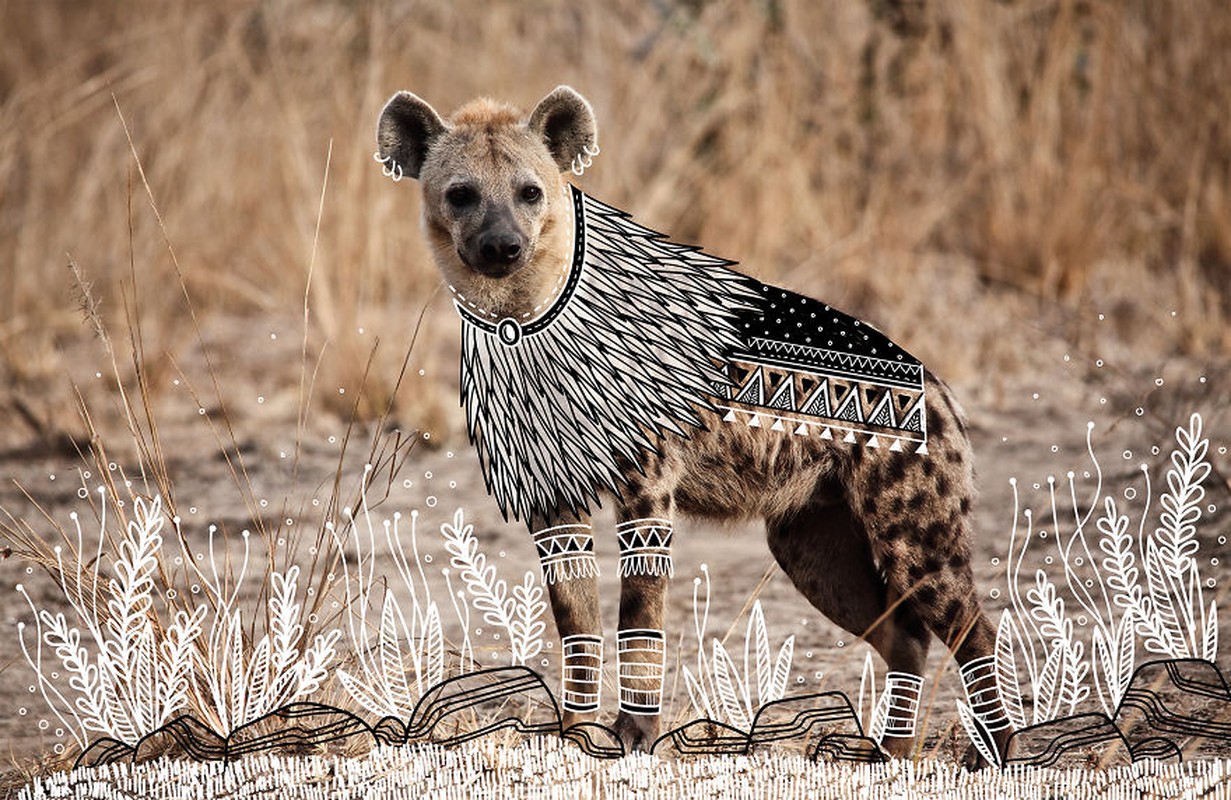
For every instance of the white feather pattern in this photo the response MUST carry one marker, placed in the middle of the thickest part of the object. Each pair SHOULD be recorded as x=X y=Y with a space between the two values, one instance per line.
x=880 y=717
x=392 y=667
x=1209 y=642
x=645 y=317
x=1126 y=645
x=758 y=637
x=1168 y=636
x=697 y=695
x=867 y=693
x=782 y=668
x=433 y=644
x=363 y=694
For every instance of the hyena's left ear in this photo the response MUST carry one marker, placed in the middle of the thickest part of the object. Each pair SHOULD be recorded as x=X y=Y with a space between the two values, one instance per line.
x=407 y=128
x=566 y=122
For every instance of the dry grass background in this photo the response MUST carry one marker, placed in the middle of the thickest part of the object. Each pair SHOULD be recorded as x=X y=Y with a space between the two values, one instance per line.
x=978 y=178
x=948 y=170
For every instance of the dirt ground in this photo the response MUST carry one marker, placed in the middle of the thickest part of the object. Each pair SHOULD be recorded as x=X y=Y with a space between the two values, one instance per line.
x=1032 y=426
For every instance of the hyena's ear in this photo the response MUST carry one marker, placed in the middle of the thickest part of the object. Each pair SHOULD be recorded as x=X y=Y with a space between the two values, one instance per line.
x=406 y=130
x=566 y=122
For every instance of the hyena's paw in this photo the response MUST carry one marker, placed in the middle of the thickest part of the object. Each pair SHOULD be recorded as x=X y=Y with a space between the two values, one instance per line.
x=973 y=760
x=595 y=740
x=898 y=746
x=637 y=731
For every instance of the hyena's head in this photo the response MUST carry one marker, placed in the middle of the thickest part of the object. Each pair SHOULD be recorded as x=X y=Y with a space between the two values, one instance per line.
x=495 y=207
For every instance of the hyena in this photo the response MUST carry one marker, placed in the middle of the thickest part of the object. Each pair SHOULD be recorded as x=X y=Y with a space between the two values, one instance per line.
x=599 y=357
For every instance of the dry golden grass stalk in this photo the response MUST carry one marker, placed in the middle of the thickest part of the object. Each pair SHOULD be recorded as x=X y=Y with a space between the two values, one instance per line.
x=898 y=159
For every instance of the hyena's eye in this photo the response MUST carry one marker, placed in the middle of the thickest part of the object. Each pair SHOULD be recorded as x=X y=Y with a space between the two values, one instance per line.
x=531 y=193
x=461 y=196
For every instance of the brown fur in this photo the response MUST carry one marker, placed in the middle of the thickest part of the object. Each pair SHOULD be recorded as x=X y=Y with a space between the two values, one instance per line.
x=878 y=541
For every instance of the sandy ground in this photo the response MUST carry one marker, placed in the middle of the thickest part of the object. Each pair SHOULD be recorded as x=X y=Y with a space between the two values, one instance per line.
x=1032 y=427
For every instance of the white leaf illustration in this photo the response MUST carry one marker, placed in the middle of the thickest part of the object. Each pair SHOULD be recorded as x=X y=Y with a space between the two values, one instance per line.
x=697 y=696
x=978 y=734
x=392 y=667
x=880 y=718
x=1047 y=692
x=364 y=696
x=433 y=644
x=867 y=692
x=1162 y=604
x=1124 y=660
x=1209 y=642
x=729 y=686
x=1008 y=682
x=782 y=669
x=759 y=638
x=1105 y=672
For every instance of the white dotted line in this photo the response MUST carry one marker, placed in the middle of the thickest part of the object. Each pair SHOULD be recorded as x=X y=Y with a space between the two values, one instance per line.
x=481 y=311
x=553 y=294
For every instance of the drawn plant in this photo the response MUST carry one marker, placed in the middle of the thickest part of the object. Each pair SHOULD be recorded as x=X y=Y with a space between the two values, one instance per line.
x=242 y=679
x=518 y=613
x=723 y=691
x=128 y=674
x=872 y=707
x=1176 y=620
x=407 y=655
x=1041 y=660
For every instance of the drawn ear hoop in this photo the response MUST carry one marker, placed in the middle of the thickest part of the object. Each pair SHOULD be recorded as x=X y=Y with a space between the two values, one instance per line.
x=388 y=167
x=583 y=160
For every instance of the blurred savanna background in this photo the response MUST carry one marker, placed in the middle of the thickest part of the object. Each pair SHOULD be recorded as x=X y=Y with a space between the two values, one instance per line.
x=979 y=179
x=1033 y=196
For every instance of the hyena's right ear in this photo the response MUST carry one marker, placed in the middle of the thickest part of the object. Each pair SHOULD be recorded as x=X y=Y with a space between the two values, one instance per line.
x=566 y=122
x=406 y=130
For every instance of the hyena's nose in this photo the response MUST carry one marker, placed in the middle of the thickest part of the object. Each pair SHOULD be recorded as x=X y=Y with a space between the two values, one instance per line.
x=501 y=248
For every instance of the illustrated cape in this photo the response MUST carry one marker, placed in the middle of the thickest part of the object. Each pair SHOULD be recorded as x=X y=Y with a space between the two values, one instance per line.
x=646 y=334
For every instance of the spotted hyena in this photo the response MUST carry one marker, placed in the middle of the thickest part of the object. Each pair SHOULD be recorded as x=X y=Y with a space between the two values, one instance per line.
x=598 y=356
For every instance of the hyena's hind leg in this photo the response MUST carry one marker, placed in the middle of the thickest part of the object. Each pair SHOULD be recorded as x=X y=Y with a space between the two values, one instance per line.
x=917 y=512
x=829 y=559
x=566 y=554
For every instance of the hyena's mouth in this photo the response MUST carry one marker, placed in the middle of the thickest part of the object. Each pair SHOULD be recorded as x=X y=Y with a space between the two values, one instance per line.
x=493 y=268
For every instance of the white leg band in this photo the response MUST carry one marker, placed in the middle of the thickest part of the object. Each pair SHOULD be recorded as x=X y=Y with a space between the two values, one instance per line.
x=645 y=547
x=979 y=678
x=566 y=552
x=903 y=692
x=582 y=672
x=640 y=660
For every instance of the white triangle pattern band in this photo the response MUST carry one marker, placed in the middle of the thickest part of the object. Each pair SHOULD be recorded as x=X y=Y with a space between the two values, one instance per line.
x=645 y=547
x=566 y=553
x=760 y=418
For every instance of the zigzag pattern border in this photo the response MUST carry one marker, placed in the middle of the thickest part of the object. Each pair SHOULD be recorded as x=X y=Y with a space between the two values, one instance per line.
x=783 y=720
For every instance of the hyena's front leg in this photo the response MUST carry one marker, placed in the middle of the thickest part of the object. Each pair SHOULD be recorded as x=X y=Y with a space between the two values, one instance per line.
x=645 y=571
x=566 y=553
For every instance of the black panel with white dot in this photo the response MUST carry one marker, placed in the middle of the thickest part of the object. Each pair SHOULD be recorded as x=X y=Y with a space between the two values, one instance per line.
x=812 y=326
